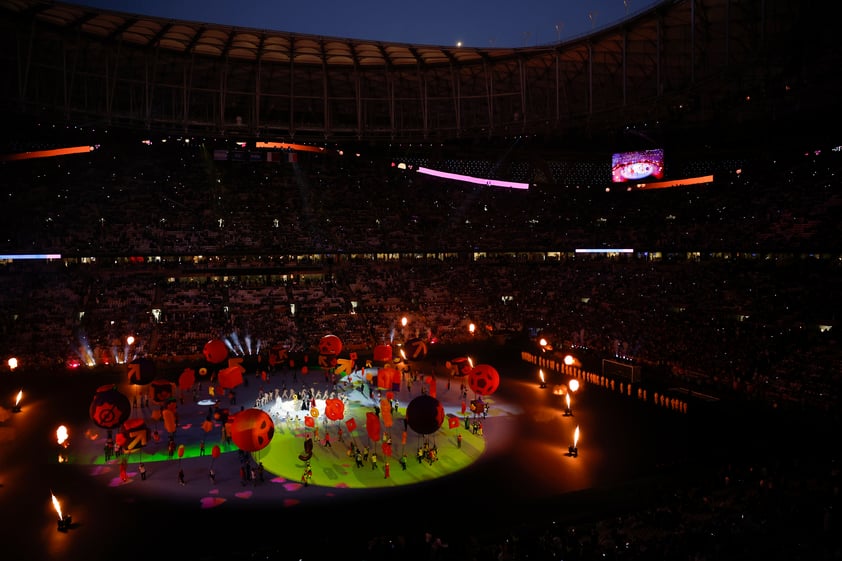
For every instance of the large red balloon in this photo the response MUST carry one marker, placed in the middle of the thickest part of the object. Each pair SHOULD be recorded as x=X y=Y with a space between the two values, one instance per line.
x=215 y=351
x=334 y=409
x=424 y=414
x=252 y=429
x=109 y=408
x=330 y=345
x=484 y=379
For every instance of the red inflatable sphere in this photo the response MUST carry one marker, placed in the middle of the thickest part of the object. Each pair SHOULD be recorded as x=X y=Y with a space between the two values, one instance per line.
x=484 y=379
x=252 y=429
x=334 y=409
x=109 y=408
x=424 y=414
x=330 y=345
x=215 y=351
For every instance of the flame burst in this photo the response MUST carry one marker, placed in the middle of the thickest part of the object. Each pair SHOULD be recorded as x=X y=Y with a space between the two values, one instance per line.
x=20 y=395
x=57 y=506
x=61 y=434
x=576 y=437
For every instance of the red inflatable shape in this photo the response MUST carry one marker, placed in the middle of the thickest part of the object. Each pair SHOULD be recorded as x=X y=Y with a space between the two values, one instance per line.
x=109 y=408
x=461 y=365
x=160 y=391
x=187 y=379
x=134 y=434
x=386 y=376
x=383 y=353
x=372 y=426
x=484 y=379
x=141 y=371
x=215 y=351
x=416 y=349
x=424 y=414
x=170 y=422
x=252 y=429
x=334 y=409
x=231 y=377
x=330 y=345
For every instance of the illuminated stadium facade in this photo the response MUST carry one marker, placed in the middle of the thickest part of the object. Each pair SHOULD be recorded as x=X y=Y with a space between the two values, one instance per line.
x=684 y=63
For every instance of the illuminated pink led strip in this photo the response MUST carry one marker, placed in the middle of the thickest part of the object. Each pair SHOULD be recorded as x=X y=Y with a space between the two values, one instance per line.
x=477 y=180
x=599 y=250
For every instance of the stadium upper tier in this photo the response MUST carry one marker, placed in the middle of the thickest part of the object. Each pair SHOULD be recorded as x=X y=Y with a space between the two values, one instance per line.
x=173 y=196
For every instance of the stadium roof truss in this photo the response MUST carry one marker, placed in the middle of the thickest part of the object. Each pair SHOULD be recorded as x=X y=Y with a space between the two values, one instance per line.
x=679 y=60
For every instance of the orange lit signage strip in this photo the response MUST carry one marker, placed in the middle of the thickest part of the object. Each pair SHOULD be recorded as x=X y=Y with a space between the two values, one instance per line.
x=285 y=146
x=676 y=183
x=46 y=153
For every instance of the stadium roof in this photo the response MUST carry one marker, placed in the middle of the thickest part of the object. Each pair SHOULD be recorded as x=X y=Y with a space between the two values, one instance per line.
x=681 y=61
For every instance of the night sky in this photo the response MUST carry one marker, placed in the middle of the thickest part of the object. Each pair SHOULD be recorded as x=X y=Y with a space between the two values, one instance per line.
x=486 y=23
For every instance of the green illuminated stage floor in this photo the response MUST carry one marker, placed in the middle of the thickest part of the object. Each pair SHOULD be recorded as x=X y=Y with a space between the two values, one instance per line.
x=332 y=466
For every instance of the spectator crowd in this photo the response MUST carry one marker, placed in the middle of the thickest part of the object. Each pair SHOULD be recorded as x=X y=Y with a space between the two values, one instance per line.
x=731 y=288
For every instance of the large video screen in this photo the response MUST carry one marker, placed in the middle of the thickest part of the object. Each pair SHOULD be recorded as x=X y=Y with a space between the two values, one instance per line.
x=637 y=165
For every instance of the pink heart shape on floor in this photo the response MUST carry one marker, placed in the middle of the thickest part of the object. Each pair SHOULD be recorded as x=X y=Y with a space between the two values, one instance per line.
x=211 y=502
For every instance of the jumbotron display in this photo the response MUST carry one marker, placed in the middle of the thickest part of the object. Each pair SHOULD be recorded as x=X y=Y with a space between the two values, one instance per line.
x=637 y=165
